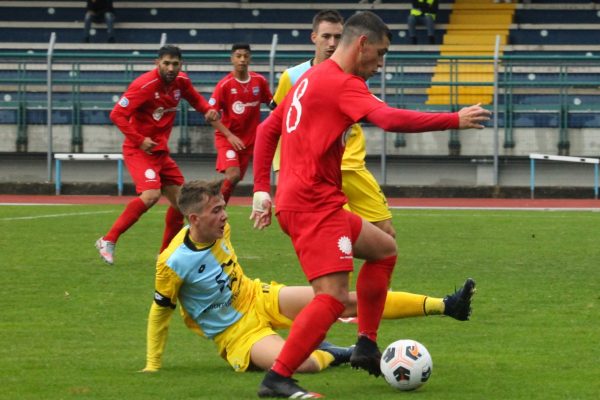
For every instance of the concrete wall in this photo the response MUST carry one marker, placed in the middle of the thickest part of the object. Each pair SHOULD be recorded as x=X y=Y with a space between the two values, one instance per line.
x=423 y=162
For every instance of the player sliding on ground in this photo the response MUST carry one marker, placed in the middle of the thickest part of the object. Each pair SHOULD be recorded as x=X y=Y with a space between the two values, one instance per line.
x=200 y=270
x=312 y=122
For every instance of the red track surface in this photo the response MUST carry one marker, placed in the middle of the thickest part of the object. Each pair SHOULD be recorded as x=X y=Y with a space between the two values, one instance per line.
x=394 y=202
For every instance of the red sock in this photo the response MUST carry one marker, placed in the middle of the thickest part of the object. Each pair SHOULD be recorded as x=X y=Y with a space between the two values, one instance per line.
x=173 y=224
x=307 y=332
x=227 y=189
x=371 y=288
x=133 y=211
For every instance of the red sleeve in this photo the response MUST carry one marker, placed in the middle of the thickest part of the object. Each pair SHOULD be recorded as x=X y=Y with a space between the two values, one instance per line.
x=267 y=137
x=195 y=99
x=131 y=100
x=407 y=121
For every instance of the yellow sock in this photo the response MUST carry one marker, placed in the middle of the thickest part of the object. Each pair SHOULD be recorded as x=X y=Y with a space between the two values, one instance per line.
x=405 y=305
x=322 y=358
x=434 y=306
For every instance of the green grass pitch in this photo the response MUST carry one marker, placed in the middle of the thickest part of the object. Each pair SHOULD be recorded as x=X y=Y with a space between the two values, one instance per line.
x=74 y=328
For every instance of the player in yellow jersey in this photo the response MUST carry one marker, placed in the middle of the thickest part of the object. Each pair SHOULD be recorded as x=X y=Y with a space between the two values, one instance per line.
x=364 y=194
x=200 y=271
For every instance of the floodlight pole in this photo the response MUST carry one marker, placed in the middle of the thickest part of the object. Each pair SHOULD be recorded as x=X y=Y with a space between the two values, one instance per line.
x=163 y=39
x=272 y=54
x=495 y=116
x=49 y=103
x=383 y=133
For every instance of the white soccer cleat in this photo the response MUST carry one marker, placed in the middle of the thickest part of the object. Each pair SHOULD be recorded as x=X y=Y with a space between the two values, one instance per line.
x=106 y=250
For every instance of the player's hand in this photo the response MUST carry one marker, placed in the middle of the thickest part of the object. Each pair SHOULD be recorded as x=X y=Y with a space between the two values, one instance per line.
x=473 y=117
x=147 y=145
x=212 y=115
x=261 y=210
x=236 y=142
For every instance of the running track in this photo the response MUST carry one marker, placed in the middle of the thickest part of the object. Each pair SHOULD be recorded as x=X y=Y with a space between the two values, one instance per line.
x=429 y=203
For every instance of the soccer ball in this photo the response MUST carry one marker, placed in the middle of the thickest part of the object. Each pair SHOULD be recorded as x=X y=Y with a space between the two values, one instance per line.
x=406 y=364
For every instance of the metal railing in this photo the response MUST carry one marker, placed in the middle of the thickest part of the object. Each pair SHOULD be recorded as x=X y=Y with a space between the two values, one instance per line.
x=557 y=92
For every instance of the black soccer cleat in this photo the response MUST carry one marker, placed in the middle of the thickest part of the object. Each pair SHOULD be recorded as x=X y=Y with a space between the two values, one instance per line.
x=458 y=304
x=275 y=385
x=366 y=355
x=341 y=355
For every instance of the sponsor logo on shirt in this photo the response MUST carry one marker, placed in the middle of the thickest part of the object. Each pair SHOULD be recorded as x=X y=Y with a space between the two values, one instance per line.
x=218 y=306
x=159 y=112
x=238 y=107
x=345 y=246
x=124 y=102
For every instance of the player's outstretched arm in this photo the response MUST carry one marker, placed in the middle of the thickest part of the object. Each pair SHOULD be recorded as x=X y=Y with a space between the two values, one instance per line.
x=157 y=333
x=473 y=117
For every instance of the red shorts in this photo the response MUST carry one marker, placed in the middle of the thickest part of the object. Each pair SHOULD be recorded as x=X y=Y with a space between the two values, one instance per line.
x=227 y=157
x=151 y=171
x=322 y=240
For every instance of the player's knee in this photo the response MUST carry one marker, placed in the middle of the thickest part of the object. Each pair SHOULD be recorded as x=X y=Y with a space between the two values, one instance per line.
x=388 y=247
x=150 y=197
x=233 y=175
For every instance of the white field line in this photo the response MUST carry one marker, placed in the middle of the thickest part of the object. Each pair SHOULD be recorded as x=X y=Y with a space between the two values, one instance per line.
x=54 y=215
x=593 y=209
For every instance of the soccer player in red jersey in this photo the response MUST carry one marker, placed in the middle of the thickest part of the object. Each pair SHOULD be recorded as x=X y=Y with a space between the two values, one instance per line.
x=238 y=96
x=145 y=115
x=312 y=122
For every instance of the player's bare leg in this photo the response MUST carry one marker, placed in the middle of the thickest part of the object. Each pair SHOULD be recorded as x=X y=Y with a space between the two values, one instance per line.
x=232 y=177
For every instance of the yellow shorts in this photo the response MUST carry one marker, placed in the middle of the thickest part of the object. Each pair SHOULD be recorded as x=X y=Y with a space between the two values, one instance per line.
x=364 y=194
x=261 y=320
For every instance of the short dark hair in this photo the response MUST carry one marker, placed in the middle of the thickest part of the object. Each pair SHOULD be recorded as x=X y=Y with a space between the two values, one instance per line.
x=368 y=24
x=195 y=194
x=169 y=50
x=240 y=46
x=327 y=15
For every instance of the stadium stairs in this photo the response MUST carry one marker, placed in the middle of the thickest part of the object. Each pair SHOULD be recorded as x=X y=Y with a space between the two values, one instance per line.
x=472 y=31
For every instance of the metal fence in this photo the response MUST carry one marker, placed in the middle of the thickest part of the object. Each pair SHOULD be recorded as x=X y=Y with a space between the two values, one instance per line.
x=76 y=89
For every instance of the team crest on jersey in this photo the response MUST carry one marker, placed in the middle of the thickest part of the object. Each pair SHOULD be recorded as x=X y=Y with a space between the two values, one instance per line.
x=177 y=94
x=255 y=90
x=158 y=113
x=124 y=102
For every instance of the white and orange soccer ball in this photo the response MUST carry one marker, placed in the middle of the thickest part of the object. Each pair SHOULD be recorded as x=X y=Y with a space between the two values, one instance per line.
x=406 y=364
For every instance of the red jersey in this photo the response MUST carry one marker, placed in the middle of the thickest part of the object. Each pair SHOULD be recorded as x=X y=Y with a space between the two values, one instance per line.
x=239 y=103
x=313 y=121
x=147 y=108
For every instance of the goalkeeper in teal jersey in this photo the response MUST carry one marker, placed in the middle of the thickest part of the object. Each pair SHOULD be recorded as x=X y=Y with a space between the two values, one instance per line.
x=200 y=270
